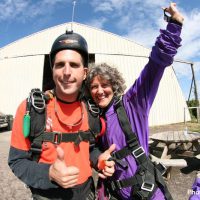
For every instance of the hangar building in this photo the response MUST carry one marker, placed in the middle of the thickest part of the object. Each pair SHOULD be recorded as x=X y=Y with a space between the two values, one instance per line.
x=23 y=63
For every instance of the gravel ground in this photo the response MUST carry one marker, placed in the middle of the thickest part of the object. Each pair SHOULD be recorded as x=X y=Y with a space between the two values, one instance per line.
x=12 y=188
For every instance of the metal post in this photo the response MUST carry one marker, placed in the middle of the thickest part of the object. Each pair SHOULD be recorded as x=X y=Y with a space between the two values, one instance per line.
x=74 y=4
x=195 y=86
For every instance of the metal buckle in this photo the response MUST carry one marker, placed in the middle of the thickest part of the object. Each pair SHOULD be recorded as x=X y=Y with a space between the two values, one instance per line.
x=38 y=102
x=57 y=138
x=162 y=168
x=93 y=108
x=136 y=151
x=147 y=186
x=118 y=100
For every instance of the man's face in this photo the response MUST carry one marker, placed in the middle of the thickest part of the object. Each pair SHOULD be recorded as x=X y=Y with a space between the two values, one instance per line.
x=68 y=74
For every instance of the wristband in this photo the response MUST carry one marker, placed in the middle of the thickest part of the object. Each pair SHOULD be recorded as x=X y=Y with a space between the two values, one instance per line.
x=169 y=19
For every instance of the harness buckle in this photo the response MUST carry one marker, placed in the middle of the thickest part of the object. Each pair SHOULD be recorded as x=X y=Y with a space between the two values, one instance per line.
x=138 y=152
x=78 y=139
x=57 y=138
x=147 y=186
x=162 y=168
x=93 y=108
x=37 y=99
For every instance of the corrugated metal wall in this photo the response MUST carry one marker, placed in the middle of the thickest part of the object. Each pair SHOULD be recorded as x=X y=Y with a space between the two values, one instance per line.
x=169 y=103
x=128 y=56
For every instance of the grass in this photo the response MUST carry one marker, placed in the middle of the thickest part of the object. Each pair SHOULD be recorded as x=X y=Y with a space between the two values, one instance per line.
x=191 y=126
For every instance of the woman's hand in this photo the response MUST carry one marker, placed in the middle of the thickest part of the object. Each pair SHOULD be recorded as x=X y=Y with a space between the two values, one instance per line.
x=174 y=12
x=106 y=166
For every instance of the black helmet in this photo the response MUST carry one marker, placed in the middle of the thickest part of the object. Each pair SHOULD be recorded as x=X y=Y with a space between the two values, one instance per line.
x=73 y=41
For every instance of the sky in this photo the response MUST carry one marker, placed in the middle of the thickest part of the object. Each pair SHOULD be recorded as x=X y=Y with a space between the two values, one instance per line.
x=137 y=20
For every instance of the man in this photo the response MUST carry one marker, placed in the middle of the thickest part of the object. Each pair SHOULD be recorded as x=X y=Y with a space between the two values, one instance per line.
x=63 y=169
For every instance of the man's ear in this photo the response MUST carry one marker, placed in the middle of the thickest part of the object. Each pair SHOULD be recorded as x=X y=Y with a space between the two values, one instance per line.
x=85 y=73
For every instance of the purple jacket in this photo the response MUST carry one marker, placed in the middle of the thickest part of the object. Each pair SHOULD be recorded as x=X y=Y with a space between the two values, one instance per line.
x=138 y=101
x=195 y=191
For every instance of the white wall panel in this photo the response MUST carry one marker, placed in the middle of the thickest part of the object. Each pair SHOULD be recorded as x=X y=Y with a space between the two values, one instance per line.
x=17 y=77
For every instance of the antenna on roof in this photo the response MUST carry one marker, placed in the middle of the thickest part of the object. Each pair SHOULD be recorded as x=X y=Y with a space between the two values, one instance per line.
x=74 y=3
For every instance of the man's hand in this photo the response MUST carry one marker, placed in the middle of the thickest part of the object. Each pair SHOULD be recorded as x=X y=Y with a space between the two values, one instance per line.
x=107 y=167
x=64 y=176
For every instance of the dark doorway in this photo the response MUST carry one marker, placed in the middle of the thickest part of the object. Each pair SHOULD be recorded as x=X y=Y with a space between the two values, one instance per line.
x=48 y=83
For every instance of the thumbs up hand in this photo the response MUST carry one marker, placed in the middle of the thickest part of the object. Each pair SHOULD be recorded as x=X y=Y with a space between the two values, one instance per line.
x=106 y=166
x=59 y=172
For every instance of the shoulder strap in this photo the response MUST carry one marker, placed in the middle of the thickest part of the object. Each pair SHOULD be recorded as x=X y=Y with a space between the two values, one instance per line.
x=37 y=112
x=133 y=146
x=96 y=124
x=36 y=109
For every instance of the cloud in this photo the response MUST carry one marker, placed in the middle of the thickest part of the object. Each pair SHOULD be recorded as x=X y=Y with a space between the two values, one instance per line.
x=24 y=10
x=98 y=23
x=140 y=21
x=191 y=36
x=132 y=16
x=9 y=9
x=110 y=5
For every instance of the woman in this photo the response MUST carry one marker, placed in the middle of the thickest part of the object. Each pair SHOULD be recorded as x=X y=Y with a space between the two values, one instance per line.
x=135 y=176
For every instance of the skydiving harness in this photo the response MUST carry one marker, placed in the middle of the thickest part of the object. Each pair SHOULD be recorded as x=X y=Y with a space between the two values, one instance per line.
x=35 y=124
x=148 y=176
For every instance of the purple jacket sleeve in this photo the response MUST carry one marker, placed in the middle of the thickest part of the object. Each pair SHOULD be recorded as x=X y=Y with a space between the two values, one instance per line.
x=162 y=54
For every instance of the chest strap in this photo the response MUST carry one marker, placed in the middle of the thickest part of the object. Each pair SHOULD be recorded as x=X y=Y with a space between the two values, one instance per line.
x=57 y=138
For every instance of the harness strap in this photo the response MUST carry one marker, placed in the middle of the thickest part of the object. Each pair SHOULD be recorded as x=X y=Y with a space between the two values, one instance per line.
x=143 y=184
x=57 y=138
x=146 y=182
x=137 y=152
x=160 y=180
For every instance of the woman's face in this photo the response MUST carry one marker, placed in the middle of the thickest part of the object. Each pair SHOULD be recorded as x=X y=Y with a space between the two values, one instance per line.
x=101 y=91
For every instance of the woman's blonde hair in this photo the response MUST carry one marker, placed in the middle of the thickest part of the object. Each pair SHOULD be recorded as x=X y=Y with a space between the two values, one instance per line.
x=108 y=73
